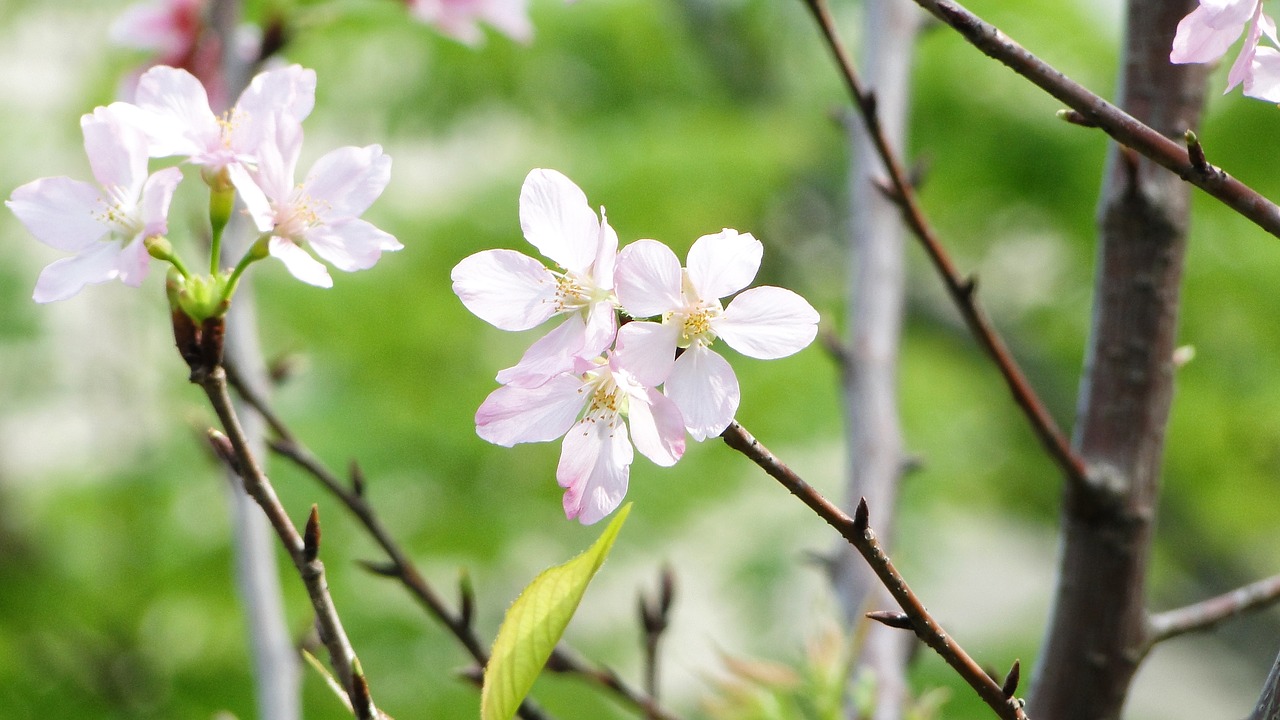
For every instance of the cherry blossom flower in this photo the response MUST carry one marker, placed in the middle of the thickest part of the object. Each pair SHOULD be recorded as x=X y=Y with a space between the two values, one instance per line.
x=169 y=28
x=513 y=291
x=1207 y=32
x=763 y=322
x=460 y=19
x=173 y=109
x=105 y=228
x=592 y=408
x=322 y=212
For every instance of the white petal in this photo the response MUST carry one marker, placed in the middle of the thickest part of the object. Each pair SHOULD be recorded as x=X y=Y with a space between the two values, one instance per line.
x=724 y=263
x=351 y=244
x=648 y=279
x=299 y=264
x=1264 y=82
x=767 y=323
x=552 y=354
x=255 y=200
x=657 y=428
x=60 y=212
x=513 y=415
x=66 y=277
x=595 y=464
x=556 y=219
x=277 y=159
x=602 y=329
x=117 y=152
x=286 y=94
x=705 y=389
x=346 y=181
x=606 y=255
x=291 y=89
x=181 y=122
x=648 y=350
x=506 y=289
x=157 y=193
x=133 y=262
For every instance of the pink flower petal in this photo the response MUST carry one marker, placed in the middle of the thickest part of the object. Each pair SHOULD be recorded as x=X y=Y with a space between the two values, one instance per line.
x=648 y=350
x=1196 y=41
x=657 y=428
x=606 y=255
x=556 y=219
x=289 y=90
x=648 y=279
x=506 y=289
x=346 y=181
x=153 y=206
x=552 y=354
x=767 y=323
x=595 y=465
x=724 y=263
x=704 y=388
x=1264 y=83
x=60 y=212
x=117 y=151
x=351 y=244
x=601 y=329
x=66 y=277
x=299 y=264
x=181 y=122
x=513 y=415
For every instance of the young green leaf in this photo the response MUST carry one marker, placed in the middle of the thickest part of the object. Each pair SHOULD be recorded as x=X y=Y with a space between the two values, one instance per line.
x=534 y=623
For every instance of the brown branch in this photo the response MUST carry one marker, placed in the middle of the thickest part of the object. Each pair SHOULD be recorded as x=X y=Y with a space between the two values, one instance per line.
x=402 y=568
x=859 y=534
x=302 y=553
x=960 y=288
x=1212 y=612
x=1120 y=125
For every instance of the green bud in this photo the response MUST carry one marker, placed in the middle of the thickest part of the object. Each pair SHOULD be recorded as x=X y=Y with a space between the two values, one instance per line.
x=158 y=247
x=201 y=297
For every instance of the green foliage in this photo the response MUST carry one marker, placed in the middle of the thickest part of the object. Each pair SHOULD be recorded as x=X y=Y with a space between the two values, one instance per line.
x=535 y=622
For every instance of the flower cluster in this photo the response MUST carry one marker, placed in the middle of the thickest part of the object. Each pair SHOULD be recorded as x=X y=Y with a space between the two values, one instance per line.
x=595 y=379
x=1208 y=31
x=251 y=151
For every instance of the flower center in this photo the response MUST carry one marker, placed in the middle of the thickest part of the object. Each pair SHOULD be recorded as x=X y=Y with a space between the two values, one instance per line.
x=608 y=400
x=118 y=211
x=300 y=214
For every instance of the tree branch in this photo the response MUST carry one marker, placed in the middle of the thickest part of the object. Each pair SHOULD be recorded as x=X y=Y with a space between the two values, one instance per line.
x=859 y=534
x=961 y=289
x=302 y=553
x=1209 y=613
x=1120 y=125
x=402 y=568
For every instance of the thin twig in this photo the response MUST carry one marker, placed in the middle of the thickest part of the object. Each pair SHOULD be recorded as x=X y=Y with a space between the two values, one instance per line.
x=1121 y=126
x=960 y=288
x=309 y=567
x=1209 y=613
x=859 y=534
x=402 y=568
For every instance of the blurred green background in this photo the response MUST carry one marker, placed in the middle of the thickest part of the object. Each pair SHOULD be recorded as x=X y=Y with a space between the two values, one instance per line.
x=116 y=593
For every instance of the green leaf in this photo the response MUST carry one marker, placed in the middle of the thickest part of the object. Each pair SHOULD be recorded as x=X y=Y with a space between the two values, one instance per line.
x=534 y=623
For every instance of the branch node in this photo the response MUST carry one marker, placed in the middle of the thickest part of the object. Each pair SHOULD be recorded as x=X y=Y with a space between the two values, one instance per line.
x=892 y=619
x=222 y=447
x=861 y=517
x=968 y=286
x=1074 y=117
x=361 y=702
x=311 y=536
x=1010 y=685
x=1200 y=163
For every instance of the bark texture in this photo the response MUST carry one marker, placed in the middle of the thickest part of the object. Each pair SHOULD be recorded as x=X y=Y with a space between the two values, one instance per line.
x=1096 y=635
x=876 y=291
